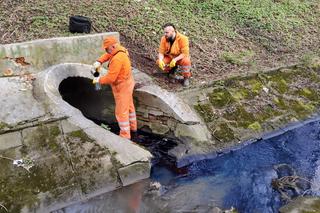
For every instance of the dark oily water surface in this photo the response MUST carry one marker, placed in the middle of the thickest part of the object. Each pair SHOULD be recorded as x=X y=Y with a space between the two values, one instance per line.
x=260 y=177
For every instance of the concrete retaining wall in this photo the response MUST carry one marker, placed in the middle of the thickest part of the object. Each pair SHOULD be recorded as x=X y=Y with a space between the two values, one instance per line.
x=41 y=54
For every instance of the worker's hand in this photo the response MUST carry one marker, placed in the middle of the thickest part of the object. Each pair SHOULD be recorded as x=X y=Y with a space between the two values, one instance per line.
x=96 y=66
x=161 y=64
x=172 y=63
x=95 y=80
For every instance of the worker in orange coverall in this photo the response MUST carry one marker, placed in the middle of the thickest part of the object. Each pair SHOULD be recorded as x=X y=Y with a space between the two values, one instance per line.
x=120 y=78
x=174 y=55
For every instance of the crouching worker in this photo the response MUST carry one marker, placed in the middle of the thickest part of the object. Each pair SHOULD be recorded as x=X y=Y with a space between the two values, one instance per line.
x=121 y=80
x=173 y=55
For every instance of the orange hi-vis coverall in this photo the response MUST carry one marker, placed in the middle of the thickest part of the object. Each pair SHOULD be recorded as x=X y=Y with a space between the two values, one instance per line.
x=122 y=83
x=179 y=46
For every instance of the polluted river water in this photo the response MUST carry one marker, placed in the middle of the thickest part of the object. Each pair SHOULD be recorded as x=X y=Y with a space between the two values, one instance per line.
x=260 y=177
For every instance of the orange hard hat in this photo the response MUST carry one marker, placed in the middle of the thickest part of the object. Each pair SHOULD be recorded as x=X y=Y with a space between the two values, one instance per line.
x=109 y=41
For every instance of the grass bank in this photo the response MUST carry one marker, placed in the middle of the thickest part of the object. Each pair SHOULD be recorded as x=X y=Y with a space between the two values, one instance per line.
x=227 y=37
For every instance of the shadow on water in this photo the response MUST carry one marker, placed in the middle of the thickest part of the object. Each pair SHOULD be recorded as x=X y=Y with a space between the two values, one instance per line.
x=260 y=177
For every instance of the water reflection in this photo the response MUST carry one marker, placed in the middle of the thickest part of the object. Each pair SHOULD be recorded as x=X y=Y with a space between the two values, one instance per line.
x=124 y=200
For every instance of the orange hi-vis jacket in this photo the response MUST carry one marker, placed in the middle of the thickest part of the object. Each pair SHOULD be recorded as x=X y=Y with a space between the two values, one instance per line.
x=121 y=81
x=179 y=46
x=119 y=66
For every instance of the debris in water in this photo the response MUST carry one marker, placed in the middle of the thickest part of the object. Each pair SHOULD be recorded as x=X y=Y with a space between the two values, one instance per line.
x=156 y=188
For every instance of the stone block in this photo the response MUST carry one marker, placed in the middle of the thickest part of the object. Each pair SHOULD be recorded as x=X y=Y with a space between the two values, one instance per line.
x=142 y=108
x=134 y=172
x=142 y=123
x=171 y=123
x=196 y=132
x=159 y=128
x=10 y=140
x=156 y=112
x=152 y=118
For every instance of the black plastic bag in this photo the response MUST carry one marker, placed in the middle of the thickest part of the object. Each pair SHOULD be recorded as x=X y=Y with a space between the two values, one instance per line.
x=79 y=24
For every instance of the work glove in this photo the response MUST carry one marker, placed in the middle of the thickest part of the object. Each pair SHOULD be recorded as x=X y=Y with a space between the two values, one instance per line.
x=172 y=63
x=95 y=80
x=96 y=66
x=161 y=64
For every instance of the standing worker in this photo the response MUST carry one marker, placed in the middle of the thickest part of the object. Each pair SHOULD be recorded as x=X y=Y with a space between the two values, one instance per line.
x=122 y=83
x=174 y=55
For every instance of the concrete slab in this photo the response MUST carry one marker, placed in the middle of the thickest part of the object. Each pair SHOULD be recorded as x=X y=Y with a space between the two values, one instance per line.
x=10 y=140
x=50 y=179
x=68 y=127
x=124 y=150
x=134 y=172
x=17 y=101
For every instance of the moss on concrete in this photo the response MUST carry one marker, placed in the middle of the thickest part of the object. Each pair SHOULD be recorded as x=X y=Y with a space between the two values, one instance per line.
x=309 y=93
x=255 y=126
x=239 y=116
x=50 y=173
x=220 y=97
x=268 y=112
x=280 y=103
x=244 y=103
x=301 y=109
x=280 y=85
x=240 y=93
x=4 y=126
x=244 y=88
x=255 y=85
x=86 y=156
x=81 y=135
x=280 y=79
x=205 y=111
x=223 y=132
x=44 y=139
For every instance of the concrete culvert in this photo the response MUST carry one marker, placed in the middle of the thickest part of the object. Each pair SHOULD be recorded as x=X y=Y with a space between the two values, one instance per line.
x=69 y=92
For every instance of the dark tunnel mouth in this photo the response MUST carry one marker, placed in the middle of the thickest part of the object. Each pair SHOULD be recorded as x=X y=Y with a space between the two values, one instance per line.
x=80 y=93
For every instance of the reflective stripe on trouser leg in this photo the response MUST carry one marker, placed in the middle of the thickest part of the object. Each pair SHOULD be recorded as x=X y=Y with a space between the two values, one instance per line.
x=184 y=67
x=133 y=120
x=124 y=127
x=123 y=97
